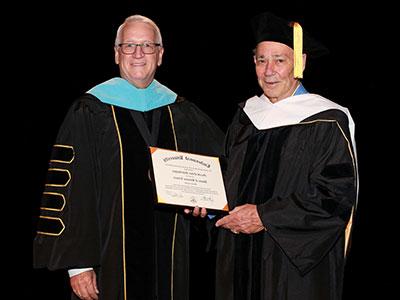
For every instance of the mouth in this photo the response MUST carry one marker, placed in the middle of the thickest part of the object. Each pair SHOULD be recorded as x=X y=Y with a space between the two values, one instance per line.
x=138 y=64
x=271 y=84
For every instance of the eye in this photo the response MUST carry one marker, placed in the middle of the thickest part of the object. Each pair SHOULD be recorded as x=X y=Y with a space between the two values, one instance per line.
x=260 y=61
x=280 y=60
x=147 y=45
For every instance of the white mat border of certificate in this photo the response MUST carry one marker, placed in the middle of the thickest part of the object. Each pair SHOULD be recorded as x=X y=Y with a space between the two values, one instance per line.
x=188 y=179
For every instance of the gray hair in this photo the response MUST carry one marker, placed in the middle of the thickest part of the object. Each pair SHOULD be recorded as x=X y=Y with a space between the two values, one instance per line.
x=142 y=19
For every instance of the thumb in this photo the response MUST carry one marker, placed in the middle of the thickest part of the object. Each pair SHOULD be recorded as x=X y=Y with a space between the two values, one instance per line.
x=94 y=282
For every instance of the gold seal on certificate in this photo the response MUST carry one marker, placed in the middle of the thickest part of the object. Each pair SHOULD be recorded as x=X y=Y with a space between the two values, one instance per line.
x=188 y=179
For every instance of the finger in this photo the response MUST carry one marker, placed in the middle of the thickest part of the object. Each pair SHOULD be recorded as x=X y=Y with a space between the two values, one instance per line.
x=222 y=221
x=88 y=292
x=77 y=293
x=187 y=211
x=91 y=292
x=76 y=286
x=196 y=211
x=203 y=212
x=95 y=285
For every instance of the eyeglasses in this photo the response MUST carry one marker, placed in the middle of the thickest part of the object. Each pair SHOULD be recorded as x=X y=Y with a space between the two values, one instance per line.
x=147 y=47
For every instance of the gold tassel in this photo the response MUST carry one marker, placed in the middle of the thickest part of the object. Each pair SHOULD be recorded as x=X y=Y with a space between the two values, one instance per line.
x=298 y=50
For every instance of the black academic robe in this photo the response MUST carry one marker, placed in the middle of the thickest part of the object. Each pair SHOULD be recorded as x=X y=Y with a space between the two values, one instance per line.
x=302 y=179
x=98 y=208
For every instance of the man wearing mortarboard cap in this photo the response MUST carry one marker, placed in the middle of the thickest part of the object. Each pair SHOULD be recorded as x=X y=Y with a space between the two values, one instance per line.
x=291 y=180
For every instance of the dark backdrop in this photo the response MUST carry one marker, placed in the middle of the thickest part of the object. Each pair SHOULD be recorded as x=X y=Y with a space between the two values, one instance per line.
x=207 y=59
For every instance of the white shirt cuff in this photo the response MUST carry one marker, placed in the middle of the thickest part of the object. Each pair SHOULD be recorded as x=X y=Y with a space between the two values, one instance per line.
x=73 y=272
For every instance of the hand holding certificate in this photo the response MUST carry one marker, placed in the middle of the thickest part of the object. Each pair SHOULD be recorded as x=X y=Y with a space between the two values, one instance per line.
x=188 y=179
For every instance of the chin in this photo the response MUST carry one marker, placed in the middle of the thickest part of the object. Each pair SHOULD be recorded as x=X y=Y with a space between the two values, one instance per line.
x=269 y=94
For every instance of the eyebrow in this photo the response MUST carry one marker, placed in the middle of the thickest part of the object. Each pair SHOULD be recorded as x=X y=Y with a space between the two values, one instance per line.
x=273 y=56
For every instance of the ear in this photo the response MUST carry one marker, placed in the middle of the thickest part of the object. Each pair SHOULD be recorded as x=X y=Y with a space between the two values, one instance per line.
x=116 y=55
x=160 y=56
x=304 y=61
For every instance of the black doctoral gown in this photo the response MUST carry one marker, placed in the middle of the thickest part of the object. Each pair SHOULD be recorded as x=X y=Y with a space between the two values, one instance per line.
x=302 y=179
x=98 y=208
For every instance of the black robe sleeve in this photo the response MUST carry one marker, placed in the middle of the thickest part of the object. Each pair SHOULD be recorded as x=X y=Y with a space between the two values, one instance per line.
x=68 y=226
x=307 y=222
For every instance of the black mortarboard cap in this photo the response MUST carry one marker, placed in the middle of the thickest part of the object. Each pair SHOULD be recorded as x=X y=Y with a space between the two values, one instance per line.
x=269 y=27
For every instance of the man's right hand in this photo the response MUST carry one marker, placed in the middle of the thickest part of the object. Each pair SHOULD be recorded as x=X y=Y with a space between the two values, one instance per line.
x=196 y=211
x=84 y=285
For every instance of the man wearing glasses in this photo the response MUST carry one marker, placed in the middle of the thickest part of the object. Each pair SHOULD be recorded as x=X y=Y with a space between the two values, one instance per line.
x=98 y=216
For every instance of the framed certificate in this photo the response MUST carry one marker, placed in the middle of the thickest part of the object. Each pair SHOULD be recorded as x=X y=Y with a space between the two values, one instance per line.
x=188 y=179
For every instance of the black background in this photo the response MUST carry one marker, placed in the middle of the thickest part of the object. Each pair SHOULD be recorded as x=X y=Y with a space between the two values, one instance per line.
x=66 y=47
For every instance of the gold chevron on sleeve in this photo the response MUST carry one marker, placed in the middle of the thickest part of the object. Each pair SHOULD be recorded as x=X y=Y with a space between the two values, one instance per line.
x=50 y=226
x=58 y=177
x=53 y=201
x=62 y=154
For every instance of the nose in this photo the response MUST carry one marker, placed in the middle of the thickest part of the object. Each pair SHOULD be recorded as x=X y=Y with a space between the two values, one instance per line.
x=269 y=68
x=138 y=52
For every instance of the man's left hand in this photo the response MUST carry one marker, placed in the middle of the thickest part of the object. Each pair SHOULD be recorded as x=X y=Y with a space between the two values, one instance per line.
x=242 y=219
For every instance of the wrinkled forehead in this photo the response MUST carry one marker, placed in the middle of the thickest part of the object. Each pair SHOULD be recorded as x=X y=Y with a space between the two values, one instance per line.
x=270 y=48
